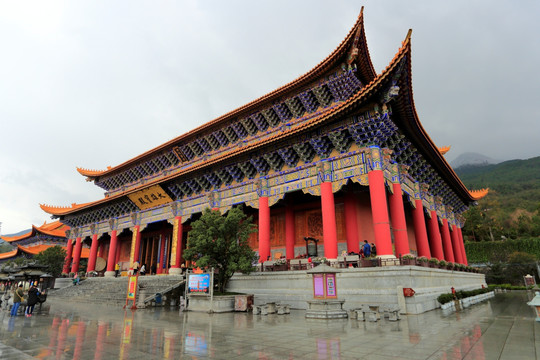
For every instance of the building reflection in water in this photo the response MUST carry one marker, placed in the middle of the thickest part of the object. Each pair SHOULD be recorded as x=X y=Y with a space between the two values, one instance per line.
x=193 y=336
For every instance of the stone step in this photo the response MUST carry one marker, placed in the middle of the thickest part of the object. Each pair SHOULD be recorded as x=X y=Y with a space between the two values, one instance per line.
x=113 y=290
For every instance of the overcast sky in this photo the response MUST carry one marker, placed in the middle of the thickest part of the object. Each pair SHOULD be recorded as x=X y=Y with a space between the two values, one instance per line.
x=95 y=83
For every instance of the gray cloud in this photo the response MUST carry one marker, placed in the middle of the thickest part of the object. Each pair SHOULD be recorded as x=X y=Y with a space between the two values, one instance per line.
x=95 y=84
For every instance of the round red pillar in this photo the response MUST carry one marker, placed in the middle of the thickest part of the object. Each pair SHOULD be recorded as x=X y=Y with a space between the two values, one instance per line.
x=447 y=242
x=329 y=221
x=76 y=255
x=112 y=253
x=264 y=229
x=420 y=231
x=351 y=223
x=290 y=232
x=455 y=245
x=399 y=225
x=178 y=236
x=379 y=210
x=67 y=261
x=93 y=254
x=435 y=237
x=161 y=260
x=462 y=244
x=137 y=251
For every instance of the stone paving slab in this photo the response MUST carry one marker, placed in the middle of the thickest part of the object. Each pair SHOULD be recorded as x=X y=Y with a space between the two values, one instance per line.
x=500 y=328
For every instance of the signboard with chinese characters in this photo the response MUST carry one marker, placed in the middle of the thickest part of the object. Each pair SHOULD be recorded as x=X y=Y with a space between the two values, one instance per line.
x=150 y=197
x=199 y=283
x=324 y=286
x=132 y=288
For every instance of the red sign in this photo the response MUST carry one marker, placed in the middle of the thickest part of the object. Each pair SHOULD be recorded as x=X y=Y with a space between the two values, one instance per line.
x=408 y=292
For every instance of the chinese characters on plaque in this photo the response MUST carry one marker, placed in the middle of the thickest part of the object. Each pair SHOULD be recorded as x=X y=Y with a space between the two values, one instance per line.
x=150 y=197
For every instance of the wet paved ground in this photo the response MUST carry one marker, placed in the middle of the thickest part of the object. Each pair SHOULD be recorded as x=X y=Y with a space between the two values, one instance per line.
x=500 y=328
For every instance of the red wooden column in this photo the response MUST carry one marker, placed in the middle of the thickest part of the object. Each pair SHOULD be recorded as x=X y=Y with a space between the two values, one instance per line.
x=290 y=232
x=455 y=245
x=399 y=225
x=176 y=244
x=435 y=237
x=351 y=223
x=379 y=206
x=135 y=247
x=93 y=254
x=161 y=260
x=77 y=255
x=420 y=231
x=67 y=261
x=264 y=229
x=329 y=221
x=112 y=255
x=462 y=244
x=447 y=242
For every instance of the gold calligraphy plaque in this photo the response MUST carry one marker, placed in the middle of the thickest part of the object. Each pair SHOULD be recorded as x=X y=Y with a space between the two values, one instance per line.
x=150 y=197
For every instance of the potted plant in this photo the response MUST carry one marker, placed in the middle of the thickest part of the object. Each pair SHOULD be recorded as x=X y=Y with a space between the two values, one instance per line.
x=319 y=260
x=450 y=265
x=280 y=265
x=433 y=262
x=408 y=260
x=422 y=261
x=443 y=264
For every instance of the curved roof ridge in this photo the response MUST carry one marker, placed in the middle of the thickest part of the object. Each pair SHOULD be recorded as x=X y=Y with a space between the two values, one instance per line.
x=478 y=194
x=52 y=209
x=91 y=172
x=59 y=210
x=444 y=149
x=407 y=44
x=356 y=32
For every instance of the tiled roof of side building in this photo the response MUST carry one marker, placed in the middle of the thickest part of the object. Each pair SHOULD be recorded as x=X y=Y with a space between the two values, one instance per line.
x=355 y=37
x=55 y=228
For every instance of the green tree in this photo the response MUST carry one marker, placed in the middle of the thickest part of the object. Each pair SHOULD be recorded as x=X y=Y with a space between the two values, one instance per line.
x=54 y=258
x=221 y=242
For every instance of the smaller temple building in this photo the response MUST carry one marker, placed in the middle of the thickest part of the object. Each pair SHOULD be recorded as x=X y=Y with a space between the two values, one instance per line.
x=39 y=239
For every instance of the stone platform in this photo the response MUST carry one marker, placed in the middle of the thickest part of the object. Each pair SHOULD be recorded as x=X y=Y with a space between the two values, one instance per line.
x=358 y=286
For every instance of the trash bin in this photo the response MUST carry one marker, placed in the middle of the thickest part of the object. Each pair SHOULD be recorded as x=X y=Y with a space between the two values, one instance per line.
x=159 y=298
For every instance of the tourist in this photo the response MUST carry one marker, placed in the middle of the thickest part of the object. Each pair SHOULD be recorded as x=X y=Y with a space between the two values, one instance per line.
x=135 y=267
x=33 y=299
x=116 y=269
x=367 y=249
x=153 y=269
x=143 y=270
x=76 y=279
x=373 y=249
x=17 y=298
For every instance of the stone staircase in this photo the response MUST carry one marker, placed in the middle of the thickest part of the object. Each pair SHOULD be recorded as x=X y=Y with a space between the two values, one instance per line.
x=112 y=291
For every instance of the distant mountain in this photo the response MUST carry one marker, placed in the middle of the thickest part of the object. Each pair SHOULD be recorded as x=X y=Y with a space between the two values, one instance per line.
x=515 y=184
x=474 y=159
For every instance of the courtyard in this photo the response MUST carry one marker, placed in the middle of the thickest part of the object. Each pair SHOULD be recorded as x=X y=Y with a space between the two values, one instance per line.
x=503 y=327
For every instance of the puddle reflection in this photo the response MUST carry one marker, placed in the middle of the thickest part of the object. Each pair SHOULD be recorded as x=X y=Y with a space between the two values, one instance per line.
x=167 y=334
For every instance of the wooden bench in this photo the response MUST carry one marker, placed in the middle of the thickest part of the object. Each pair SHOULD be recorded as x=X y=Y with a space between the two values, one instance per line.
x=353 y=260
x=269 y=265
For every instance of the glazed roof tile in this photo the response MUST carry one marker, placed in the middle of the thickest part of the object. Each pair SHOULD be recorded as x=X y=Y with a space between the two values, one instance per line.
x=413 y=125
x=55 y=228
x=366 y=68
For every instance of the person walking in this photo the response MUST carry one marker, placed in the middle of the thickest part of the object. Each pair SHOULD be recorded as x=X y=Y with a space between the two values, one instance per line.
x=17 y=299
x=116 y=269
x=33 y=299
x=135 y=267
